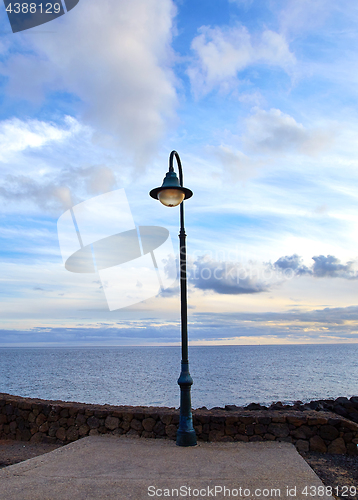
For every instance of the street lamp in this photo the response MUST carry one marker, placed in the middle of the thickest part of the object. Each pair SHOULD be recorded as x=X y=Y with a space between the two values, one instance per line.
x=171 y=194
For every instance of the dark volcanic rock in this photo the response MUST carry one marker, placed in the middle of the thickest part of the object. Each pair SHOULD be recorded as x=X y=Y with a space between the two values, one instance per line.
x=228 y=408
x=255 y=406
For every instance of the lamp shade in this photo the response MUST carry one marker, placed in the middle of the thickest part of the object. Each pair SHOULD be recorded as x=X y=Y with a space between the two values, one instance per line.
x=171 y=193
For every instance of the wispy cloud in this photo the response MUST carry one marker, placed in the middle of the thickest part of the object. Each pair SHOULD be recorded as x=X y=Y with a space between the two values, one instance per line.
x=275 y=132
x=222 y=53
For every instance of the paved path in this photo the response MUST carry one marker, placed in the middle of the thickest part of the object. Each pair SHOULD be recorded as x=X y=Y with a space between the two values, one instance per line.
x=120 y=468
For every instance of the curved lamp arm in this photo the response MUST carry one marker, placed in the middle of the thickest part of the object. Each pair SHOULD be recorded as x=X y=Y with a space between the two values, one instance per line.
x=171 y=168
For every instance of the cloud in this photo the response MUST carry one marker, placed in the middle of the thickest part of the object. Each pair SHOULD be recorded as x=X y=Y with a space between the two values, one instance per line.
x=276 y=132
x=115 y=57
x=299 y=16
x=225 y=277
x=331 y=267
x=220 y=54
x=17 y=135
x=34 y=171
x=292 y=263
x=228 y=278
x=323 y=267
x=55 y=192
x=235 y=163
x=318 y=326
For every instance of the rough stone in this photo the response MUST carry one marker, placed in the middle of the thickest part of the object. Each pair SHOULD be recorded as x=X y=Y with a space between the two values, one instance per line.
x=246 y=420
x=230 y=430
x=100 y=413
x=204 y=419
x=166 y=419
x=279 y=419
x=217 y=427
x=285 y=439
x=133 y=433
x=308 y=432
x=127 y=417
x=317 y=420
x=80 y=420
x=249 y=430
x=278 y=429
x=263 y=420
x=9 y=410
x=44 y=427
x=148 y=424
x=53 y=417
x=216 y=435
x=61 y=434
x=298 y=434
x=93 y=422
x=198 y=429
x=83 y=430
x=317 y=444
x=159 y=428
x=33 y=429
x=12 y=427
x=111 y=423
x=260 y=429
x=337 y=446
x=253 y=406
x=328 y=432
x=171 y=431
x=241 y=437
x=37 y=438
x=125 y=425
x=296 y=421
x=136 y=425
x=256 y=438
x=269 y=437
x=117 y=432
x=72 y=433
x=32 y=417
x=40 y=419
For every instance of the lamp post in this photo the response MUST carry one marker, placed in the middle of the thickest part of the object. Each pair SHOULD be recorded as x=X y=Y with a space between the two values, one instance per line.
x=171 y=194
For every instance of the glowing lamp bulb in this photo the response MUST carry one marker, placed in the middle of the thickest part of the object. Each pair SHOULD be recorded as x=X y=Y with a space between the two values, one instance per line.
x=171 y=197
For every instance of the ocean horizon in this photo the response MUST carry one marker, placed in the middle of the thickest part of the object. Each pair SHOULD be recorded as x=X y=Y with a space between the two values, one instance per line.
x=147 y=376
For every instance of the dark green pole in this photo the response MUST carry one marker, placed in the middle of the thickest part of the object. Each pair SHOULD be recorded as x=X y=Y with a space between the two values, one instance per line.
x=186 y=434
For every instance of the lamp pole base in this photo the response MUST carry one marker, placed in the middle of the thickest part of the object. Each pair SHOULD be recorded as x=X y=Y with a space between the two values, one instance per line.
x=186 y=434
x=186 y=438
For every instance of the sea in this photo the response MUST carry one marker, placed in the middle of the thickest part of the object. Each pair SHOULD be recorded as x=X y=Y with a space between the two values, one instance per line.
x=147 y=376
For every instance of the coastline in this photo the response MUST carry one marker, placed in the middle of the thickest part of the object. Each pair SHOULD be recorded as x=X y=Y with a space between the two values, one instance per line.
x=315 y=427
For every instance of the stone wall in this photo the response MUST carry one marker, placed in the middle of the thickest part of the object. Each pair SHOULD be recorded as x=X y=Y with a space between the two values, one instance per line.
x=37 y=420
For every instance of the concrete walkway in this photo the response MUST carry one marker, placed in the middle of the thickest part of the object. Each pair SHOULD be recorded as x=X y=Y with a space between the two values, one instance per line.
x=107 y=467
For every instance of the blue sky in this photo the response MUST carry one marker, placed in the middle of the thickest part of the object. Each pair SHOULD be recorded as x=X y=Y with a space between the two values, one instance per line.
x=259 y=99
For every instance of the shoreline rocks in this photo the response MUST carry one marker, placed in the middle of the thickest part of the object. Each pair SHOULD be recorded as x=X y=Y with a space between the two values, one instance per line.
x=347 y=408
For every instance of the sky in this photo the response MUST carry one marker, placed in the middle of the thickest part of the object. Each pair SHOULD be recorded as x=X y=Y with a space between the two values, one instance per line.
x=259 y=100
